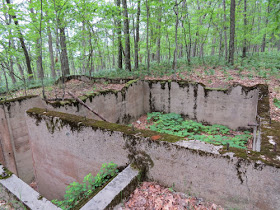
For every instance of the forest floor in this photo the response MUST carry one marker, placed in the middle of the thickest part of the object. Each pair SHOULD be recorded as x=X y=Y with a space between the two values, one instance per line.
x=150 y=195
x=77 y=87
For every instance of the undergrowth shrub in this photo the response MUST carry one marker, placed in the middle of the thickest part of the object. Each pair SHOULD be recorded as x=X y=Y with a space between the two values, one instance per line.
x=76 y=191
x=174 y=124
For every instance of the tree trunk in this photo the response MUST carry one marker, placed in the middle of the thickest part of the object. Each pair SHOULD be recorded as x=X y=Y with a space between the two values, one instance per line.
x=225 y=30
x=264 y=36
x=232 y=32
x=51 y=52
x=136 y=43
x=127 y=37
x=244 y=49
x=159 y=32
x=84 y=47
x=147 y=38
x=11 y=70
x=213 y=46
x=119 y=32
x=64 y=57
x=27 y=59
x=174 y=65
x=39 y=62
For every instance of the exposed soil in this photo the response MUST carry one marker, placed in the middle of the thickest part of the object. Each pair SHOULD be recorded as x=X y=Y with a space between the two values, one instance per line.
x=152 y=196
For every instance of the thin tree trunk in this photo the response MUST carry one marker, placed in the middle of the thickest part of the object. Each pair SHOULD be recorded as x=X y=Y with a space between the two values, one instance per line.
x=51 y=52
x=39 y=62
x=136 y=43
x=176 y=11
x=213 y=46
x=119 y=32
x=6 y=80
x=27 y=59
x=127 y=36
x=159 y=32
x=147 y=38
x=11 y=67
x=264 y=36
x=225 y=30
x=232 y=32
x=244 y=49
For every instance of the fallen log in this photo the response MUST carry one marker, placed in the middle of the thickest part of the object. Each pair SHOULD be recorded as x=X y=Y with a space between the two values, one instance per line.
x=90 y=109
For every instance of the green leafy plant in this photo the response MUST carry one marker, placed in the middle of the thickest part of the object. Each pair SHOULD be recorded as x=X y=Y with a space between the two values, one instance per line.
x=76 y=191
x=174 y=124
x=277 y=102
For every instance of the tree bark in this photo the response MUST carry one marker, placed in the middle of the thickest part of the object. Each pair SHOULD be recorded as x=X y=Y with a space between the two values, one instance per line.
x=127 y=37
x=232 y=32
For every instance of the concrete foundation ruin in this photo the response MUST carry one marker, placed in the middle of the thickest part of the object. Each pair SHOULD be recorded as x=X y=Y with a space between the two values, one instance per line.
x=60 y=142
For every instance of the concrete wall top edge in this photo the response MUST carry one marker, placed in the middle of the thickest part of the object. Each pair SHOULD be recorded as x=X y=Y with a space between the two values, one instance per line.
x=18 y=99
x=76 y=123
x=24 y=193
x=56 y=120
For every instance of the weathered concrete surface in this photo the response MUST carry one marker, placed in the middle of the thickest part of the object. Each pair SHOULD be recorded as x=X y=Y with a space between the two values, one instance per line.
x=13 y=190
x=14 y=136
x=235 y=107
x=199 y=145
x=117 y=107
x=118 y=186
x=62 y=157
x=65 y=156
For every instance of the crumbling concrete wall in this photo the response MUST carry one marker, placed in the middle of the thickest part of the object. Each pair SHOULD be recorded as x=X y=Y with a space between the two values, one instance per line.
x=14 y=136
x=235 y=107
x=66 y=148
x=115 y=106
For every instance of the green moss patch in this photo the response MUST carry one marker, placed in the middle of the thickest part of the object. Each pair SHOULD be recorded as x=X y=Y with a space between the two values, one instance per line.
x=6 y=174
x=77 y=123
x=19 y=99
